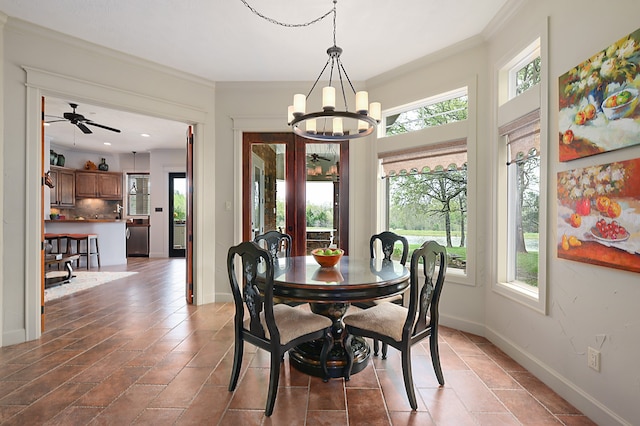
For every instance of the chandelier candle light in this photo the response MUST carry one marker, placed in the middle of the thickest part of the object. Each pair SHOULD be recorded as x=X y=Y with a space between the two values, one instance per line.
x=331 y=124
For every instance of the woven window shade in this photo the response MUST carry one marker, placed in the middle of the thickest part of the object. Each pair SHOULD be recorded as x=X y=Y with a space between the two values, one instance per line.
x=442 y=156
x=523 y=137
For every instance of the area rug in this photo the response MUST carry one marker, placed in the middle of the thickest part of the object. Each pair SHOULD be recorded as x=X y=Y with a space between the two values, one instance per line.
x=82 y=280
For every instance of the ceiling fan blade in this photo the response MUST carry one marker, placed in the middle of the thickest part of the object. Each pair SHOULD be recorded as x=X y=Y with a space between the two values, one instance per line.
x=84 y=128
x=91 y=123
x=55 y=121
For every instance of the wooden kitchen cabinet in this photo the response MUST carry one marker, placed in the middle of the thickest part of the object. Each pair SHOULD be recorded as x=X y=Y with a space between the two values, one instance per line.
x=63 y=194
x=105 y=185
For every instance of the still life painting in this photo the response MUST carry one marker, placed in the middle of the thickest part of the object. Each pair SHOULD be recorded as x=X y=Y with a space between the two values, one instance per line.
x=598 y=101
x=599 y=215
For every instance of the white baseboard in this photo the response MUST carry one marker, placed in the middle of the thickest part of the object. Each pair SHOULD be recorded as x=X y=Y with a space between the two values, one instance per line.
x=568 y=390
x=14 y=337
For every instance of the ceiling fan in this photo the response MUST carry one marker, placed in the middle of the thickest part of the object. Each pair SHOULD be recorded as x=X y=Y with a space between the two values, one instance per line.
x=314 y=158
x=80 y=121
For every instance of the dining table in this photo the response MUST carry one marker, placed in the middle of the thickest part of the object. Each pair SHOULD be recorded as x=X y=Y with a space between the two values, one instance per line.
x=330 y=292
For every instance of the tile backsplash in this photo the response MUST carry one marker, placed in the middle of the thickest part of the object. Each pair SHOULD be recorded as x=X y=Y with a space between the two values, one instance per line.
x=90 y=208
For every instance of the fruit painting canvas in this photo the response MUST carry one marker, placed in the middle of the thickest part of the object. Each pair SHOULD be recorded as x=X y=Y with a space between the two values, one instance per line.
x=598 y=101
x=599 y=215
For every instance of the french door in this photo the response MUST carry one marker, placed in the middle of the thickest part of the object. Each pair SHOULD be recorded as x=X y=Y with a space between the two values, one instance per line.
x=296 y=186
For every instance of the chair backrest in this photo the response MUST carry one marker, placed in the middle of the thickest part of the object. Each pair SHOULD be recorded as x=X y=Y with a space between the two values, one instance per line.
x=257 y=267
x=425 y=288
x=388 y=240
x=275 y=242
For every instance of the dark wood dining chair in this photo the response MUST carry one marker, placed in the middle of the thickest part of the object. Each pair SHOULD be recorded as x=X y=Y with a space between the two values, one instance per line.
x=401 y=327
x=388 y=241
x=277 y=243
x=274 y=328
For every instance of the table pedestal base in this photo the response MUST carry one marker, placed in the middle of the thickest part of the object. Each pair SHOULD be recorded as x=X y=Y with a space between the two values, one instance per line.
x=306 y=357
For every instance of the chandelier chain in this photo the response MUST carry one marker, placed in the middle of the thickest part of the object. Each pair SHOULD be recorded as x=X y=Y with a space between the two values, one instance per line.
x=304 y=24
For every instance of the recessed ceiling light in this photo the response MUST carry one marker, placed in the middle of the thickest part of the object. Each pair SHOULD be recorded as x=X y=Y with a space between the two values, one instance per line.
x=107 y=143
x=47 y=124
x=145 y=135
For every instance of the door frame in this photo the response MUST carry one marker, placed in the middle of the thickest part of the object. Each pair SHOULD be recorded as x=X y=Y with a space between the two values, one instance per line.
x=41 y=83
x=296 y=200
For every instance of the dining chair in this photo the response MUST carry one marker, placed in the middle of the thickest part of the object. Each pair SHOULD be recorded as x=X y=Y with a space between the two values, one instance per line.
x=279 y=245
x=275 y=242
x=274 y=328
x=400 y=326
x=387 y=245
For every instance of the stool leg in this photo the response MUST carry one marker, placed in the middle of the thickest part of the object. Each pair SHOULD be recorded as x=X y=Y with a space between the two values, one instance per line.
x=88 y=240
x=97 y=251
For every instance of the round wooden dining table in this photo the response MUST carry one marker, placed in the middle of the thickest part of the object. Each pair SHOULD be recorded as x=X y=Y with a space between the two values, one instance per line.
x=329 y=292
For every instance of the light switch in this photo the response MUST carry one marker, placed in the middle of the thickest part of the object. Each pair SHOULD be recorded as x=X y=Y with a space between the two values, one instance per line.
x=228 y=205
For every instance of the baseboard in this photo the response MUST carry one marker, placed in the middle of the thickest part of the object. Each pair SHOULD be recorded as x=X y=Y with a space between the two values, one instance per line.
x=14 y=337
x=587 y=404
x=575 y=395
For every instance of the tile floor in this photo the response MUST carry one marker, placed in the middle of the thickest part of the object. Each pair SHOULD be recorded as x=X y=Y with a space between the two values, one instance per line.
x=132 y=352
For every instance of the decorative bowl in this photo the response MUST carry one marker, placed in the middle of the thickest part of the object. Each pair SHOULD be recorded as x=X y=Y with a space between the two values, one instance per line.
x=613 y=110
x=327 y=260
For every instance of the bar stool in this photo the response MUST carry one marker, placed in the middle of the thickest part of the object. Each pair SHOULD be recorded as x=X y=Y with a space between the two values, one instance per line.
x=87 y=238
x=51 y=238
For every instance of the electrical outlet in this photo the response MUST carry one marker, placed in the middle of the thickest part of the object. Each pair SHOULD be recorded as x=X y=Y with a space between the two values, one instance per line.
x=593 y=358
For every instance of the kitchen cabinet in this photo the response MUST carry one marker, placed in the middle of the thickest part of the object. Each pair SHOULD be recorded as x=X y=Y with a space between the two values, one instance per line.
x=105 y=185
x=63 y=193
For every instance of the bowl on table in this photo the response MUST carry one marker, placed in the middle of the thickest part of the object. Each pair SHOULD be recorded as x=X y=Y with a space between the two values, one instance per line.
x=327 y=257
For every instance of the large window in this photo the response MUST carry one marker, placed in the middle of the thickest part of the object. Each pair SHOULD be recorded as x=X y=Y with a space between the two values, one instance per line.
x=520 y=194
x=523 y=198
x=445 y=108
x=427 y=197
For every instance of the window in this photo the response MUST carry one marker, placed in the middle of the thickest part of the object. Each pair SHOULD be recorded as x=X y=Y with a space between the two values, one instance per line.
x=524 y=70
x=520 y=228
x=523 y=199
x=442 y=109
x=427 y=198
x=137 y=194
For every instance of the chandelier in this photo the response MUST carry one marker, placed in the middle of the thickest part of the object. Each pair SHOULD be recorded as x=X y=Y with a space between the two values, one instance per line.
x=330 y=123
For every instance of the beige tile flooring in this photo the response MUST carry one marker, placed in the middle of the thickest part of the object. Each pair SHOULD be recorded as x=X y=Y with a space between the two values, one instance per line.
x=133 y=352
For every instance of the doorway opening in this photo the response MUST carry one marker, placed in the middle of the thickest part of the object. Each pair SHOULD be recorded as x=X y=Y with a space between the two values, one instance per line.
x=177 y=214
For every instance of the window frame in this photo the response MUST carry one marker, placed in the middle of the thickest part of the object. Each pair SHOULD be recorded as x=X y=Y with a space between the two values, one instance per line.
x=138 y=175
x=509 y=110
x=423 y=138
x=441 y=97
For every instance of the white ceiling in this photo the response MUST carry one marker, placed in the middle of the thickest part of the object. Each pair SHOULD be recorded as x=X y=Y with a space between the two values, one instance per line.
x=222 y=40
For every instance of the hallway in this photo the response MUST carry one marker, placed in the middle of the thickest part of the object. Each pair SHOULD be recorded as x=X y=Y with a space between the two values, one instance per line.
x=133 y=352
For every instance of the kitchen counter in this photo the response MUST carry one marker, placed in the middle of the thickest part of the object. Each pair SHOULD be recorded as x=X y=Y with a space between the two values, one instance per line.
x=111 y=236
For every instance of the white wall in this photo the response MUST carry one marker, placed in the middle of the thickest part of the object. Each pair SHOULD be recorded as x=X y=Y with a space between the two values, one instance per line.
x=587 y=305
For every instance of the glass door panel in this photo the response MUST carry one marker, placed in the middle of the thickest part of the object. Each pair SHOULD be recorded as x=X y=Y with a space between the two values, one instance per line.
x=323 y=195
x=177 y=214
x=289 y=181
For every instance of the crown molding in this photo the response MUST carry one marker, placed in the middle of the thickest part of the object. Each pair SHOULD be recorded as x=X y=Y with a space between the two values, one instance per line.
x=24 y=27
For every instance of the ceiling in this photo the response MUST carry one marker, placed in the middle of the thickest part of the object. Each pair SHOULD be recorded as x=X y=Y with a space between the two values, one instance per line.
x=225 y=41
